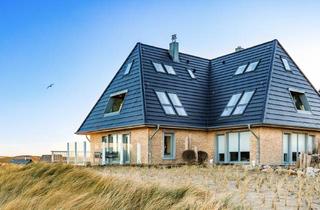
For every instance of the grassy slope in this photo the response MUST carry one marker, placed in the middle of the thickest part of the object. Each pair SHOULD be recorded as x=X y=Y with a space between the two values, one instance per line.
x=7 y=159
x=44 y=186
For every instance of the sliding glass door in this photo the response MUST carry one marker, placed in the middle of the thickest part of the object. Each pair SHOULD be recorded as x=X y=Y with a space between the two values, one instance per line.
x=296 y=143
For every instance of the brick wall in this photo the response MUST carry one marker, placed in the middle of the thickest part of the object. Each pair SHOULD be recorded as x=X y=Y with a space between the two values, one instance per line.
x=270 y=143
x=197 y=139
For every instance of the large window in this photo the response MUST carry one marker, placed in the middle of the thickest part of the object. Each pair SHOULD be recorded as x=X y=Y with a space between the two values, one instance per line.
x=237 y=103
x=296 y=143
x=300 y=101
x=236 y=148
x=168 y=105
x=168 y=146
x=112 y=148
x=115 y=102
x=239 y=146
x=117 y=148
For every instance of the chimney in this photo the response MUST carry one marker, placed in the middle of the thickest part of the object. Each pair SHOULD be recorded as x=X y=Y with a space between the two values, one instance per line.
x=174 y=48
x=239 y=48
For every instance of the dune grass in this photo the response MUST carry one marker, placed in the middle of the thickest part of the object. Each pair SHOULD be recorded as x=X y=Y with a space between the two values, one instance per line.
x=57 y=186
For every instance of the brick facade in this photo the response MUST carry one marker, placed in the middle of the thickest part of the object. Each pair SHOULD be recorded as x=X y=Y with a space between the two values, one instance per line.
x=270 y=143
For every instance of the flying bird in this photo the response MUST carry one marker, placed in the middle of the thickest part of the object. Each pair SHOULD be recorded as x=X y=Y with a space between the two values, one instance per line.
x=49 y=86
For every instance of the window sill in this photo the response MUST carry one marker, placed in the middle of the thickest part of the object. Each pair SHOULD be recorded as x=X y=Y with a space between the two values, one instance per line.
x=111 y=114
x=304 y=112
x=168 y=158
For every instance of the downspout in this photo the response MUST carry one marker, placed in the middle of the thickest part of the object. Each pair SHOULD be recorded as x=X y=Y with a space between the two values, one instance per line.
x=257 y=146
x=150 y=144
x=87 y=138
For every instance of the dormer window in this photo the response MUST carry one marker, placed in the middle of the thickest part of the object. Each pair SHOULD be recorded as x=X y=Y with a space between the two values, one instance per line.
x=191 y=73
x=300 y=101
x=286 y=64
x=128 y=68
x=115 y=102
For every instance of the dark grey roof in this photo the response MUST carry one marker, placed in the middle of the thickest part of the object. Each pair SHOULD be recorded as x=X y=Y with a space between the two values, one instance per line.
x=205 y=97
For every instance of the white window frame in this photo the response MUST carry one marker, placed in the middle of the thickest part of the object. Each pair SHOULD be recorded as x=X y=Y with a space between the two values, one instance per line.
x=177 y=104
x=169 y=69
x=243 y=103
x=191 y=73
x=238 y=136
x=172 y=156
x=234 y=98
x=286 y=64
x=159 y=67
x=252 y=66
x=128 y=67
x=303 y=99
x=112 y=95
x=241 y=69
x=308 y=138
x=165 y=103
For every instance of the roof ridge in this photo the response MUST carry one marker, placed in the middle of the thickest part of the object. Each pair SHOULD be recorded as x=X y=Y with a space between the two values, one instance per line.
x=269 y=79
x=211 y=59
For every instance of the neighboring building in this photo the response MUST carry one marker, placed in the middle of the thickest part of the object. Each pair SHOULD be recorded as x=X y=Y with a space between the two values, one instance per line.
x=252 y=105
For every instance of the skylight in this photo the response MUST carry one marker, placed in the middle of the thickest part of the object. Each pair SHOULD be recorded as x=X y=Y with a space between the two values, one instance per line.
x=247 y=68
x=191 y=74
x=128 y=68
x=252 y=66
x=166 y=105
x=115 y=102
x=300 y=101
x=159 y=67
x=231 y=104
x=170 y=69
x=177 y=104
x=236 y=106
x=243 y=103
x=286 y=64
x=241 y=69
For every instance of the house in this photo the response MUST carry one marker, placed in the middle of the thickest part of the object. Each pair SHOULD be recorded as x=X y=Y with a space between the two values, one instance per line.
x=254 y=105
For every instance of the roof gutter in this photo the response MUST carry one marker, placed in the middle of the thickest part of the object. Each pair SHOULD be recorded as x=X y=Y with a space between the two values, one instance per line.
x=150 y=144
x=257 y=146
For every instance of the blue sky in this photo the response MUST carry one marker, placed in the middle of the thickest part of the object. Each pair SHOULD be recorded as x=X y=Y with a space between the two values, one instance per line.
x=79 y=46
